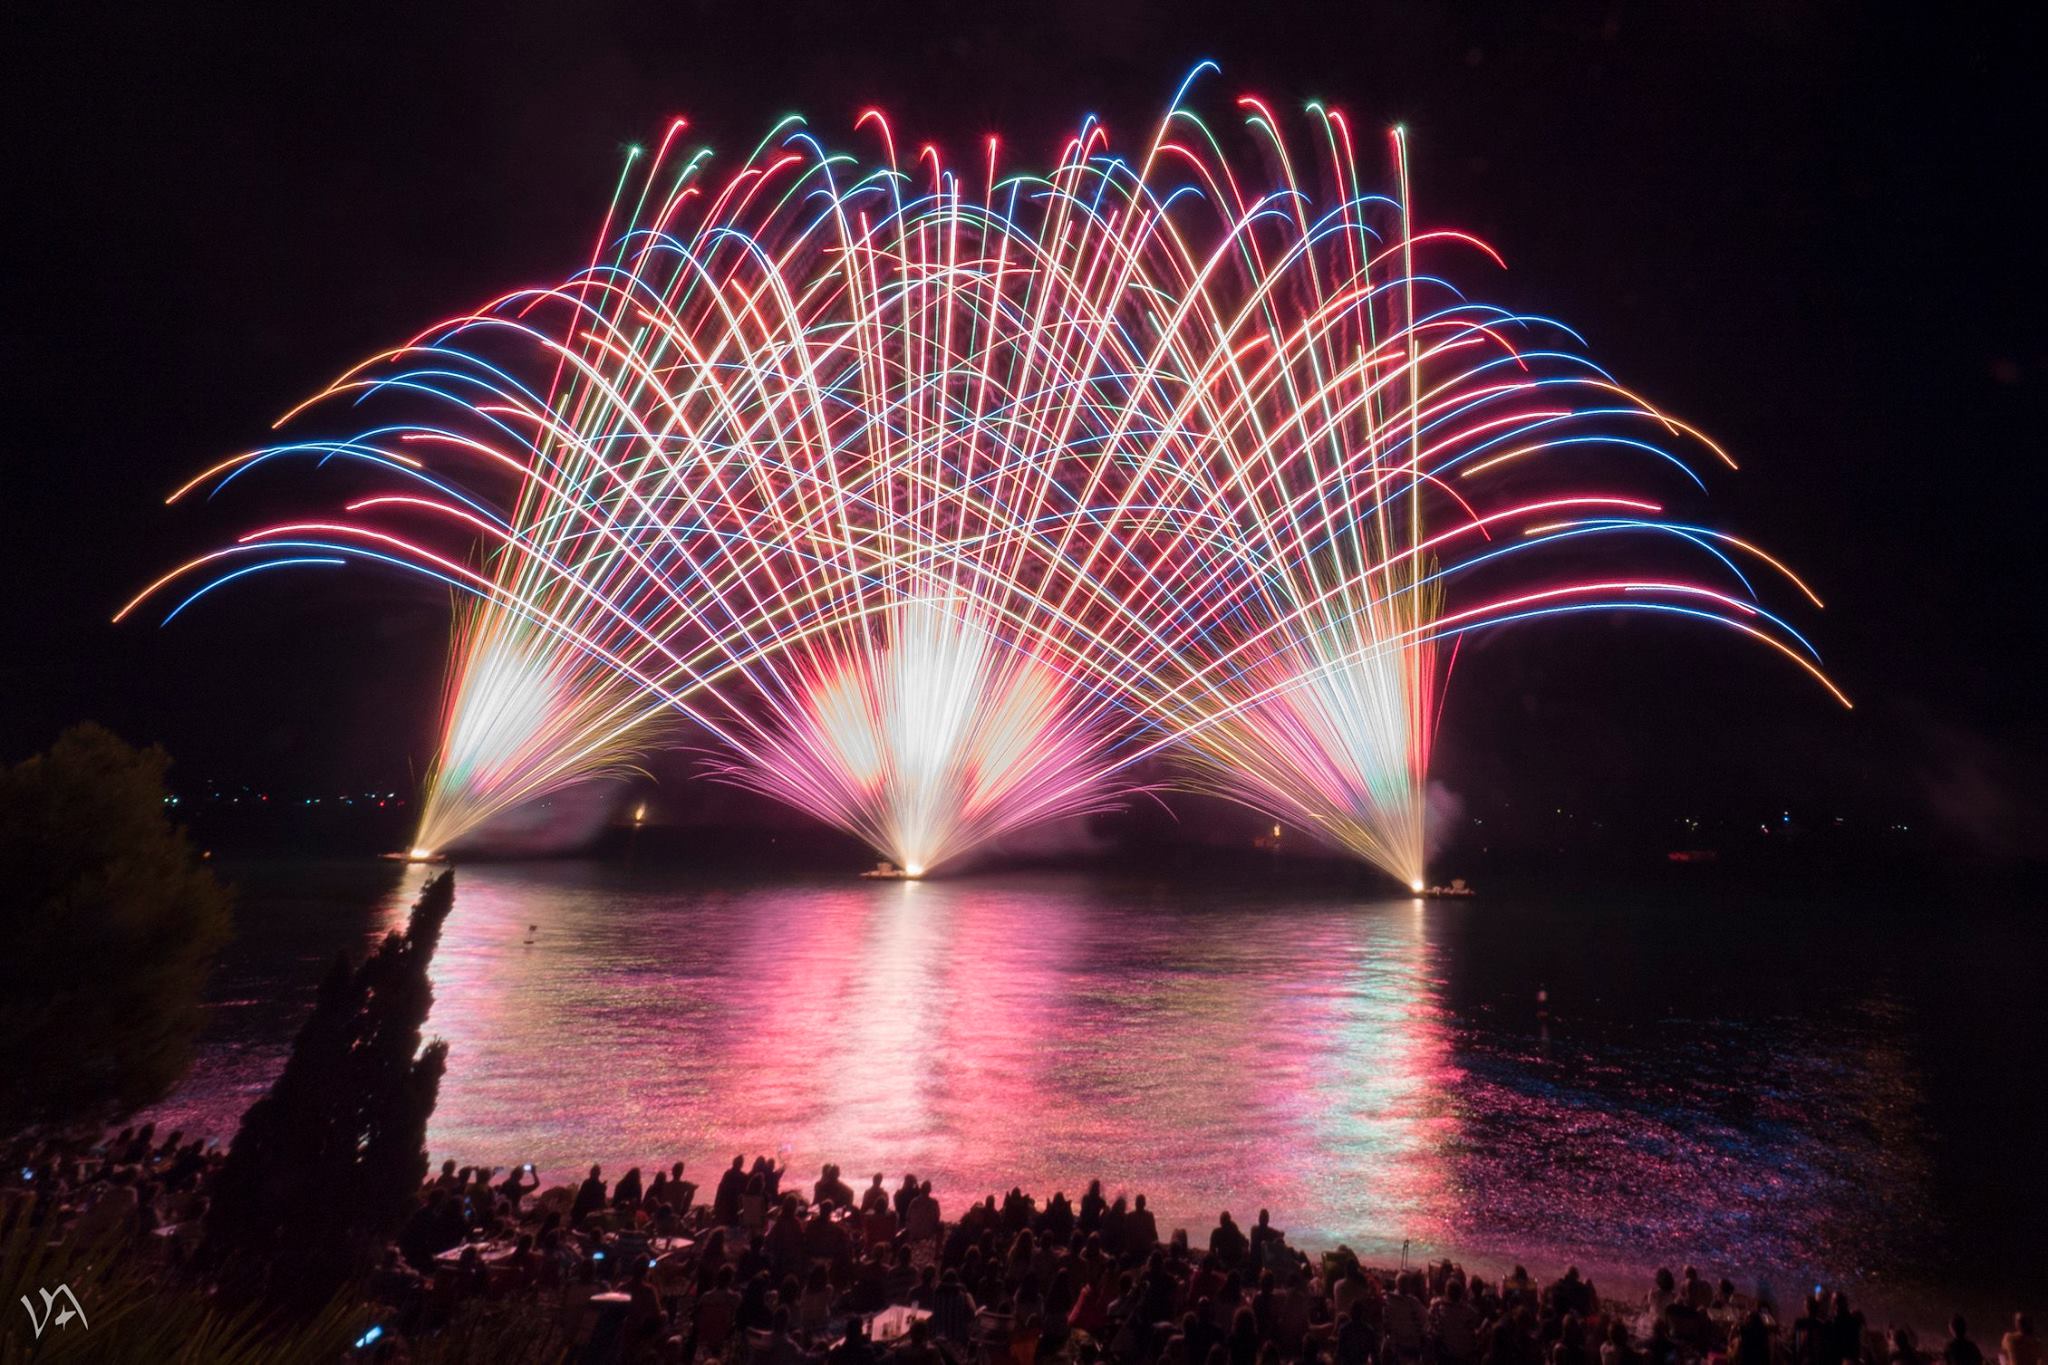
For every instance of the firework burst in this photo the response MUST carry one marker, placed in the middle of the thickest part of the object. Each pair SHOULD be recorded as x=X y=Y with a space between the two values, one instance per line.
x=934 y=499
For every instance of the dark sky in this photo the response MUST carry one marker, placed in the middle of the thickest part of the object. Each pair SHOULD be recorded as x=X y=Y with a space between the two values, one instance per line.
x=1809 y=229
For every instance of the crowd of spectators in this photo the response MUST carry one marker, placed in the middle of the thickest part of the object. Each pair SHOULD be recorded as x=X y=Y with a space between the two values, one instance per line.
x=759 y=1273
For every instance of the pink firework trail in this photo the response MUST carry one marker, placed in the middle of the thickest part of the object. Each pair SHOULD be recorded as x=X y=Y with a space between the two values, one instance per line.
x=938 y=497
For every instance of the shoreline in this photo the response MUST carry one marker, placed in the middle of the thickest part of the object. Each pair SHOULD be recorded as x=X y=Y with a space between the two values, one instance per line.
x=1924 y=1307
x=509 y=1234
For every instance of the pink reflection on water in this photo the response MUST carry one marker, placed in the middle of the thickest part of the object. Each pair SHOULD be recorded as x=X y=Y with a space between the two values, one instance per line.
x=1363 y=1052
x=980 y=1034
x=1371 y=1071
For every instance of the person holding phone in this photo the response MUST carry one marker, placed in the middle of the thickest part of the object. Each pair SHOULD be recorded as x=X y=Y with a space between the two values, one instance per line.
x=518 y=1183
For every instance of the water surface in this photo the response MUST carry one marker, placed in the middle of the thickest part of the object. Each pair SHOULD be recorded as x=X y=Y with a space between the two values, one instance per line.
x=1782 y=1092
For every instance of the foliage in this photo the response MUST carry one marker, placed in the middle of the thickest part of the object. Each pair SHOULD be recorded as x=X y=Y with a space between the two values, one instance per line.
x=110 y=925
x=133 y=1314
x=500 y=1333
x=326 y=1165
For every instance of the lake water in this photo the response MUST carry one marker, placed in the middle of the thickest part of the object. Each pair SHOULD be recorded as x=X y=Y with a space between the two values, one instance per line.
x=1782 y=1092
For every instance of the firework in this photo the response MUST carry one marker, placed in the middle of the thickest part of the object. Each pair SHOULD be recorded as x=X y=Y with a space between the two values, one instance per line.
x=1334 y=465
x=933 y=500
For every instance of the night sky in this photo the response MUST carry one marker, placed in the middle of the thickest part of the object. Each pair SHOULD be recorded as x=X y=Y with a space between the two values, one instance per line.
x=1808 y=230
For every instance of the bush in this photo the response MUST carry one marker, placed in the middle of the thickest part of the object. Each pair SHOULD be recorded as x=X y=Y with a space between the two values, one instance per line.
x=108 y=928
x=133 y=1313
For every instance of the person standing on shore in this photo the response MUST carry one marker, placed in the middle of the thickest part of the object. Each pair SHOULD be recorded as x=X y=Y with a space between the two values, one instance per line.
x=1809 y=1330
x=921 y=1221
x=1262 y=1233
x=1753 y=1340
x=680 y=1191
x=1141 y=1232
x=1454 y=1325
x=1844 y=1337
x=1403 y=1320
x=626 y=1195
x=589 y=1197
x=725 y=1202
x=523 y=1180
x=1093 y=1206
x=1227 y=1242
x=830 y=1187
x=2020 y=1346
x=1959 y=1349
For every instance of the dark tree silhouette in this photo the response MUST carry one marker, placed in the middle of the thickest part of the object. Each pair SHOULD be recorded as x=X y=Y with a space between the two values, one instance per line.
x=108 y=928
x=326 y=1165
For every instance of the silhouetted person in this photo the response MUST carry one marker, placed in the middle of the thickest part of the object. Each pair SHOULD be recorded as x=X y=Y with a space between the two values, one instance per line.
x=1354 y=1341
x=953 y=1310
x=917 y=1348
x=680 y=1191
x=1753 y=1340
x=1093 y=1206
x=523 y=1180
x=589 y=1197
x=714 y=1315
x=2020 y=1346
x=1244 y=1338
x=1454 y=1322
x=784 y=1241
x=855 y=1348
x=1844 y=1335
x=830 y=1186
x=1959 y=1349
x=418 y=1239
x=725 y=1203
x=1227 y=1242
x=1619 y=1350
x=921 y=1223
x=1262 y=1233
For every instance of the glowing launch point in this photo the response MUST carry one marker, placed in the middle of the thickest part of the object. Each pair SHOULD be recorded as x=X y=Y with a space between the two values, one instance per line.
x=886 y=871
x=418 y=853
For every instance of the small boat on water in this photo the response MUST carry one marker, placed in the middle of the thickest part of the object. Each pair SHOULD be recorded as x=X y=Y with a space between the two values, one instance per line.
x=1457 y=890
x=886 y=871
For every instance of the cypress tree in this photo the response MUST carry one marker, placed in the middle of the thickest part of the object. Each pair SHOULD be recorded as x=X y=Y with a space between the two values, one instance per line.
x=326 y=1165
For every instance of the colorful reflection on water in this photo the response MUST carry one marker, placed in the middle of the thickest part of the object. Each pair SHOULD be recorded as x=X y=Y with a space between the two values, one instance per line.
x=1371 y=1071
x=977 y=1033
